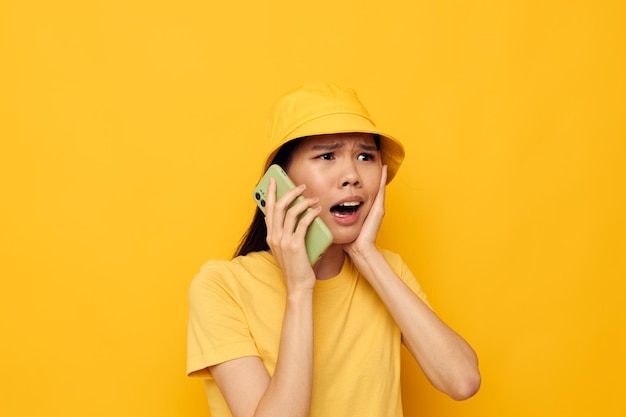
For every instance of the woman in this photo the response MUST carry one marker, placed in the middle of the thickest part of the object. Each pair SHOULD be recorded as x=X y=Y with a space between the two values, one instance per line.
x=274 y=336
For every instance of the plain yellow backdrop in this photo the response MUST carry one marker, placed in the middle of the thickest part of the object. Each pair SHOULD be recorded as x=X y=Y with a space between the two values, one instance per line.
x=133 y=131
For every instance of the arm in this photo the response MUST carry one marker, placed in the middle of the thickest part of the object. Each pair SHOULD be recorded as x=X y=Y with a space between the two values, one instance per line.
x=248 y=388
x=447 y=360
x=245 y=384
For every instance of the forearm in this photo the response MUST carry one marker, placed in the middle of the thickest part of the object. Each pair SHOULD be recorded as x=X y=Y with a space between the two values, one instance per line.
x=446 y=359
x=289 y=390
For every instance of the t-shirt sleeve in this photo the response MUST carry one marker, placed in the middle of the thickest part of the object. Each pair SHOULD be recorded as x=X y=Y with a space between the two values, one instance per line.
x=405 y=274
x=217 y=327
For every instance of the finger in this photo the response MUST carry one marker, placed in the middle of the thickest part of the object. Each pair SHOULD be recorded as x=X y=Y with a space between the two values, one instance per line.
x=290 y=196
x=383 y=180
x=295 y=213
x=306 y=220
x=382 y=186
x=283 y=204
x=270 y=199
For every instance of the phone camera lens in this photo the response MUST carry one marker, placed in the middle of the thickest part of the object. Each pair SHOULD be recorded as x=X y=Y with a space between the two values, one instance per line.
x=257 y=196
x=262 y=203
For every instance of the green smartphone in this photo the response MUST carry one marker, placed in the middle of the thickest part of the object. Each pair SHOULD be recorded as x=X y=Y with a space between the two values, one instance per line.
x=318 y=236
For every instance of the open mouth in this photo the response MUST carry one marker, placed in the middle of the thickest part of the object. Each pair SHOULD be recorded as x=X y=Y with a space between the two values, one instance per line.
x=345 y=209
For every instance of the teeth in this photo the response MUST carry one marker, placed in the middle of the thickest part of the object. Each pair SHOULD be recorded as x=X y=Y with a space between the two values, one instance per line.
x=350 y=204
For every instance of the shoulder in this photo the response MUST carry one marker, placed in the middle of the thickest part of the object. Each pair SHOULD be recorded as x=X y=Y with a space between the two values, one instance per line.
x=391 y=256
x=395 y=261
x=219 y=275
x=403 y=271
x=212 y=272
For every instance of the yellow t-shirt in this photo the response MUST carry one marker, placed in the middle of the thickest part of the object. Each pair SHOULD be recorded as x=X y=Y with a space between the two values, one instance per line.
x=236 y=310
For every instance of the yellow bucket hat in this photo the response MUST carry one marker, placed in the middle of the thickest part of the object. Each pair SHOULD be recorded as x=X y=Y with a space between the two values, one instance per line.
x=324 y=108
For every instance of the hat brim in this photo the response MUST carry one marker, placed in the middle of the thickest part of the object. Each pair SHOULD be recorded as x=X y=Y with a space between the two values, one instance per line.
x=391 y=149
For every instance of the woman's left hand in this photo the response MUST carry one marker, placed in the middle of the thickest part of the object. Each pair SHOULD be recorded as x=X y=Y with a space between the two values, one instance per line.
x=367 y=238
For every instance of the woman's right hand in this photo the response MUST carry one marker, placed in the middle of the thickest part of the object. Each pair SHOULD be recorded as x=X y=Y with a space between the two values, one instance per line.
x=245 y=384
x=285 y=234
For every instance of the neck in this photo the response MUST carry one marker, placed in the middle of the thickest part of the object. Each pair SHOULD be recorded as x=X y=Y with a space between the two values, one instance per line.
x=330 y=264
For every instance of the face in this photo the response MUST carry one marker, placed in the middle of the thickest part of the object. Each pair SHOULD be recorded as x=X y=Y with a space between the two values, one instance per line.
x=343 y=171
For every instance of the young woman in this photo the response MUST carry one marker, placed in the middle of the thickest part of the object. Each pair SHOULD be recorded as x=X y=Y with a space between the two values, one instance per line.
x=274 y=336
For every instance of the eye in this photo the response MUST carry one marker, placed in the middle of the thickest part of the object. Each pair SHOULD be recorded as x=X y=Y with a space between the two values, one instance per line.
x=366 y=157
x=326 y=156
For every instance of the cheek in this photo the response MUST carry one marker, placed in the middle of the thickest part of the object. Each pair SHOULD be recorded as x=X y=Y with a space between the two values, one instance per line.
x=315 y=183
x=373 y=181
x=312 y=190
x=298 y=178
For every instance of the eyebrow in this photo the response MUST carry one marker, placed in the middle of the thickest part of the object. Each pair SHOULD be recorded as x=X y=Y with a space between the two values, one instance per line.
x=338 y=145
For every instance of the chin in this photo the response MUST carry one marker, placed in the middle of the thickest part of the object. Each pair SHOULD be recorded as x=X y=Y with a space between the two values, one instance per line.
x=344 y=238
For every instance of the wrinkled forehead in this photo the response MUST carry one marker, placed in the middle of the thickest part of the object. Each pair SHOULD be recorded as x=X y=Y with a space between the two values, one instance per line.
x=366 y=141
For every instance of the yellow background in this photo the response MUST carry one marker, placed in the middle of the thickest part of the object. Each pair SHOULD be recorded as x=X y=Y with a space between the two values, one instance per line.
x=132 y=133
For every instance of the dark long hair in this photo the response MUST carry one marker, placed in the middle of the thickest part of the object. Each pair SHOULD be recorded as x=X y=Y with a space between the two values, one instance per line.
x=255 y=238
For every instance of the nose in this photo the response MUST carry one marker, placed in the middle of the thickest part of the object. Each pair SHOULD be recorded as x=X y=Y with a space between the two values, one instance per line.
x=349 y=176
